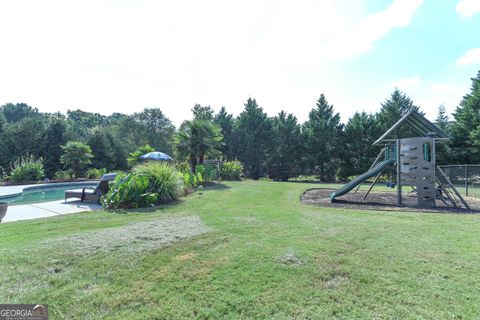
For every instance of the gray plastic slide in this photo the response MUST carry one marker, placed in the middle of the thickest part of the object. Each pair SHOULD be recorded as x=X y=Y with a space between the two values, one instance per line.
x=361 y=178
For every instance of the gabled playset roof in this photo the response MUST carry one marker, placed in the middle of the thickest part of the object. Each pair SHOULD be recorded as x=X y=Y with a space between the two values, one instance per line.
x=417 y=122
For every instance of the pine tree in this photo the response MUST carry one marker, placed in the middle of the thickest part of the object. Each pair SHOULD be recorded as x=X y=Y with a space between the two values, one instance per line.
x=104 y=156
x=465 y=132
x=54 y=138
x=443 y=151
x=254 y=139
x=393 y=109
x=358 y=153
x=226 y=121
x=442 y=118
x=286 y=151
x=323 y=138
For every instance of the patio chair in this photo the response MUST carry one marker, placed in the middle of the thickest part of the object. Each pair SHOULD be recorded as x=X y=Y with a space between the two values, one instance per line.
x=91 y=194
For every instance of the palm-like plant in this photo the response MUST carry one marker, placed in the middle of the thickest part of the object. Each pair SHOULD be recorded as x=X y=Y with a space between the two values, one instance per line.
x=197 y=138
x=76 y=155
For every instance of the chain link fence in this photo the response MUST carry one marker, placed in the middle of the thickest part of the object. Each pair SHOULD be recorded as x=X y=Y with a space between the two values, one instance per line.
x=465 y=177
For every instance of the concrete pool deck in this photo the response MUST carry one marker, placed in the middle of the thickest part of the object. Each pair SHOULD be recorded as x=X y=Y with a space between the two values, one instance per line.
x=43 y=209
x=47 y=209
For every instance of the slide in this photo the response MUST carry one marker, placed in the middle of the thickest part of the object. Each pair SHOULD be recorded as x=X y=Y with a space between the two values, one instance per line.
x=361 y=178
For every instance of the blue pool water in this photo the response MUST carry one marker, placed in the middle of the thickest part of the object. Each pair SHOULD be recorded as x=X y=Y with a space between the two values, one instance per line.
x=42 y=195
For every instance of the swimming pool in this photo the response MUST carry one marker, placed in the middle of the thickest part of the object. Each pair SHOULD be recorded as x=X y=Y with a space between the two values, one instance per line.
x=44 y=193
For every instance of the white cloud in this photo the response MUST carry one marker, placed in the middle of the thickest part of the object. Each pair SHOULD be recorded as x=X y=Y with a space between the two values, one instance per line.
x=121 y=56
x=361 y=37
x=406 y=83
x=472 y=56
x=467 y=8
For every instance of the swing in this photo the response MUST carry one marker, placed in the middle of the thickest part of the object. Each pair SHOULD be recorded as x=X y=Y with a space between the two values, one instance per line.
x=390 y=175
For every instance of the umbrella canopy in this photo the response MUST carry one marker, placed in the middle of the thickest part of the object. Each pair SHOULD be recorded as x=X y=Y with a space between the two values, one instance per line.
x=157 y=156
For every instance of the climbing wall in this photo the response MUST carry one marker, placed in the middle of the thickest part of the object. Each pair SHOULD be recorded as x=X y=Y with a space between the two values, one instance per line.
x=417 y=169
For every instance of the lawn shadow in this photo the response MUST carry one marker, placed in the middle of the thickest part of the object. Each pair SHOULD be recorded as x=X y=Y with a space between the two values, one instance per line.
x=210 y=186
x=215 y=186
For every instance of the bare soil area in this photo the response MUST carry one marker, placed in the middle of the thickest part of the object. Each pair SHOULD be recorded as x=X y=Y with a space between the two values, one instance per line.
x=380 y=201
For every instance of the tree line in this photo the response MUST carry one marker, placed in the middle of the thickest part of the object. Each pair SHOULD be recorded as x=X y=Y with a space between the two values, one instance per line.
x=279 y=147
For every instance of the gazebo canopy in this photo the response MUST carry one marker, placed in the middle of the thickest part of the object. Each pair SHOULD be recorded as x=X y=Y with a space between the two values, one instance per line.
x=418 y=123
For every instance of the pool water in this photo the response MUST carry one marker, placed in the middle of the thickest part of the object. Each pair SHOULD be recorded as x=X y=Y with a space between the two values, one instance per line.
x=42 y=195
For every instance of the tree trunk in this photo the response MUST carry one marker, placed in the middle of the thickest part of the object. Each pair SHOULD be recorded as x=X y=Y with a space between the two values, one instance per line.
x=76 y=168
x=193 y=162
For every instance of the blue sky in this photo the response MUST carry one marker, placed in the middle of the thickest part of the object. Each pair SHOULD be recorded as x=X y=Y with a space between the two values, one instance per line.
x=121 y=56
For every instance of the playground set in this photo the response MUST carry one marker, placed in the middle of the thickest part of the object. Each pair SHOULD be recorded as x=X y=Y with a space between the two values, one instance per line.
x=410 y=161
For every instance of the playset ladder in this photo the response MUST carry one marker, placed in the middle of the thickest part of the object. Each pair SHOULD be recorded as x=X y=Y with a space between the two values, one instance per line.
x=449 y=190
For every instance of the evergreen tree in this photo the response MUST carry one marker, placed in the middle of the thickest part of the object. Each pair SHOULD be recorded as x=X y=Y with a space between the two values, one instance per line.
x=442 y=118
x=323 y=137
x=442 y=151
x=393 y=109
x=119 y=152
x=103 y=155
x=358 y=153
x=286 y=150
x=200 y=112
x=254 y=134
x=226 y=121
x=465 y=132
x=3 y=121
x=54 y=138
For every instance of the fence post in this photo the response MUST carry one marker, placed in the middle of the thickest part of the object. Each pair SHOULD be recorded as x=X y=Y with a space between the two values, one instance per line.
x=466 y=180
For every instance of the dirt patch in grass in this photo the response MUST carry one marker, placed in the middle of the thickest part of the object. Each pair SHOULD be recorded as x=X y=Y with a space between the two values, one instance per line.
x=380 y=201
x=290 y=259
x=137 y=236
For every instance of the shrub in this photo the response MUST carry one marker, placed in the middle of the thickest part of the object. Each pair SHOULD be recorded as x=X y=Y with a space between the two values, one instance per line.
x=211 y=173
x=149 y=184
x=27 y=168
x=190 y=180
x=64 y=174
x=208 y=172
x=94 y=173
x=231 y=170
x=134 y=157
x=3 y=174
x=182 y=167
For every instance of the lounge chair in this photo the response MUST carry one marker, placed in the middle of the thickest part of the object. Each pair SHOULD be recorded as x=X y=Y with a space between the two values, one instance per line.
x=91 y=194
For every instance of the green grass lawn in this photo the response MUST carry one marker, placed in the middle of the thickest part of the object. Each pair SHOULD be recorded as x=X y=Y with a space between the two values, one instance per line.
x=266 y=256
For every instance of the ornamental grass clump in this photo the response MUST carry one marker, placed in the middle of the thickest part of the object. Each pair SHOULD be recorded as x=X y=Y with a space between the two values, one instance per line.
x=26 y=169
x=149 y=184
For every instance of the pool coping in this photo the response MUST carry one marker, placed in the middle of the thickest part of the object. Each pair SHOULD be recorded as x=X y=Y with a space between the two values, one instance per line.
x=7 y=192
